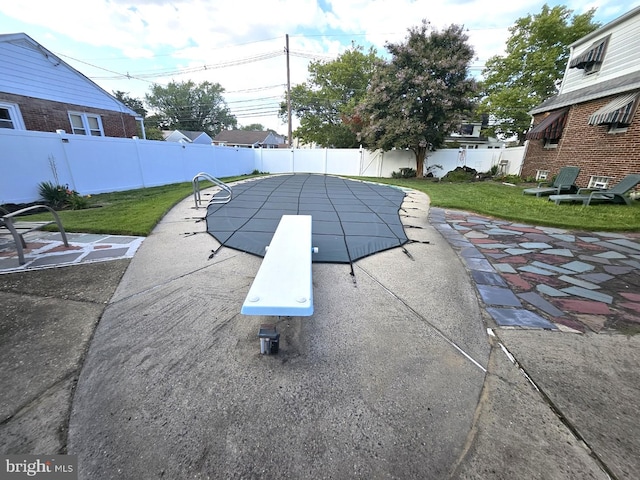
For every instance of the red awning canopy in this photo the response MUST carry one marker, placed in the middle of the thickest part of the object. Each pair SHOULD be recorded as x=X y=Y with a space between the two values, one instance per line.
x=550 y=127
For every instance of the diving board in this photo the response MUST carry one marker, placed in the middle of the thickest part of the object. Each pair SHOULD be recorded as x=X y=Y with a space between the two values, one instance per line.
x=283 y=285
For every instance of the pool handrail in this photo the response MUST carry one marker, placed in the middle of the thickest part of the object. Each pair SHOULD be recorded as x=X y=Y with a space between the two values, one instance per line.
x=223 y=186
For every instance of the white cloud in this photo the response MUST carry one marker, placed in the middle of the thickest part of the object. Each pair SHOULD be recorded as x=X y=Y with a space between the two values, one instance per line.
x=143 y=38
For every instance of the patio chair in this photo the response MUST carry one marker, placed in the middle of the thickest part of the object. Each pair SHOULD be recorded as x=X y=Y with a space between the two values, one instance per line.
x=615 y=194
x=563 y=183
x=18 y=228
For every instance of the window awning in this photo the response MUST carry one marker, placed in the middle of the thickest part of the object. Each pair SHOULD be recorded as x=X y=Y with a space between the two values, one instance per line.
x=620 y=110
x=549 y=128
x=594 y=54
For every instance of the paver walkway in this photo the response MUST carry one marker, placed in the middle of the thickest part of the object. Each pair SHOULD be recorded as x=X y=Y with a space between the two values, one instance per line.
x=46 y=249
x=551 y=278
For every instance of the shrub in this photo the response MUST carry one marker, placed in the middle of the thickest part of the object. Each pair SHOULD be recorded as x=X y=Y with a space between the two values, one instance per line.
x=512 y=179
x=406 y=172
x=77 y=202
x=461 y=174
x=61 y=196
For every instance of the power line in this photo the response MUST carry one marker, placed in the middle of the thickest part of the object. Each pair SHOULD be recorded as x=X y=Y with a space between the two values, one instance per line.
x=173 y=52
x=186 y=71
x=120 y=75
x=246 y=90
x=255 y=99
x=145 y=76
x=266 y=114
x=255 y=109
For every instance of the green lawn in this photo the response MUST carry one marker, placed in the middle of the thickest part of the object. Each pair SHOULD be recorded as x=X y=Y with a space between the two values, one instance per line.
x=136 y=212
x=497 y=200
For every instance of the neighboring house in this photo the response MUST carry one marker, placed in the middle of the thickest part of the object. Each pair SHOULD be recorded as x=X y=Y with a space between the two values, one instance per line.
x=593 y=122
x=187 y=136
x=468 y=136
x=39 y=91
x=249 y=138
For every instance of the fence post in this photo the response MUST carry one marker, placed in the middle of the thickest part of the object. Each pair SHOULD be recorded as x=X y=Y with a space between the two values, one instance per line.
x=325 y=160
x=139 y=160
x=293 y=160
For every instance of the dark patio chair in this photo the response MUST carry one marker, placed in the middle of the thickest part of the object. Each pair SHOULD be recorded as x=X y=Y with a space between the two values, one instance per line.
x=565 y=182
x=615 y=194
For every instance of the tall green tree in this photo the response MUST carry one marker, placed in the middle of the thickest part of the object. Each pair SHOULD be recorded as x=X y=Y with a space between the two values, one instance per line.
x=421 y=94
x=332 y=91
x=187 y=106
x=151 y=130
x=536 y=57
x=253 y=127
x=133 y=103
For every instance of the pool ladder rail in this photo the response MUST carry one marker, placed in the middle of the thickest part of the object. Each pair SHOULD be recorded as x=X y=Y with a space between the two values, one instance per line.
x=225 y=189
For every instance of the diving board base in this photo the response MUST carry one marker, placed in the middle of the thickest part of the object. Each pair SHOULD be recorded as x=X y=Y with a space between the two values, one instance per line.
x=269 y=339
x=283 y=286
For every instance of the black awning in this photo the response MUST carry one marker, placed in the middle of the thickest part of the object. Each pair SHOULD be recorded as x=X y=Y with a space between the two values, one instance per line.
x=620 y=110
x=550 y=127
x=594 y=54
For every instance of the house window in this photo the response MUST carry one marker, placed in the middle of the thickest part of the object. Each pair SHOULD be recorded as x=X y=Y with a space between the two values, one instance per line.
x=591 y=68
x=599 y=181
x=86 y=124
x=551 y=142
x=618 y=128
x=10 y=117
x=542 y=175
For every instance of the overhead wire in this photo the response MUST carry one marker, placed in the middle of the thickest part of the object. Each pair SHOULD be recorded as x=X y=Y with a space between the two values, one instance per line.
x=145 y=76
x=149 y=76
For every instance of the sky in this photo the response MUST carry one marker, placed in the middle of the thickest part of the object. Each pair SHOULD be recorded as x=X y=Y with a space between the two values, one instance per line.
x=130 y=45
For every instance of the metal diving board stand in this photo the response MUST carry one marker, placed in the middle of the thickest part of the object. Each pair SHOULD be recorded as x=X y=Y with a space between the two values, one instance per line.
x=283 y=285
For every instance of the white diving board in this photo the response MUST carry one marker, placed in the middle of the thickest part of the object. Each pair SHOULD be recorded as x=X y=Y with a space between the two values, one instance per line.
x=283 y=284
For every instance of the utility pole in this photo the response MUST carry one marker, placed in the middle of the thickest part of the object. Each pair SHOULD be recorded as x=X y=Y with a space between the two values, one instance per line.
x=289 y=133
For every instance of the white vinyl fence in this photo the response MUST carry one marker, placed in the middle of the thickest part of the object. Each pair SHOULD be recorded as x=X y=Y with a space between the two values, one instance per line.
x=93 y=165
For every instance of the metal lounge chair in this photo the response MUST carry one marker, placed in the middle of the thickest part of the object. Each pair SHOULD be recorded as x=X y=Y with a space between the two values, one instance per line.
x=18 y=228
x=565 y=182
x=615 y=194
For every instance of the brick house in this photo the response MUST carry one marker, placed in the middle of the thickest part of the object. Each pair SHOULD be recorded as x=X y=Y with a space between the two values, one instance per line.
x=593 y=122
x=39 y=91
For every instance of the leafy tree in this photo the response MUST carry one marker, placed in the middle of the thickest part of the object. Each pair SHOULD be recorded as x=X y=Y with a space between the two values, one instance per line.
x=536 y=57
x=254 y=127
x=329 y=96
x=151 y=130
x=420 y=95
x=187 y=106
x=133 y=103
